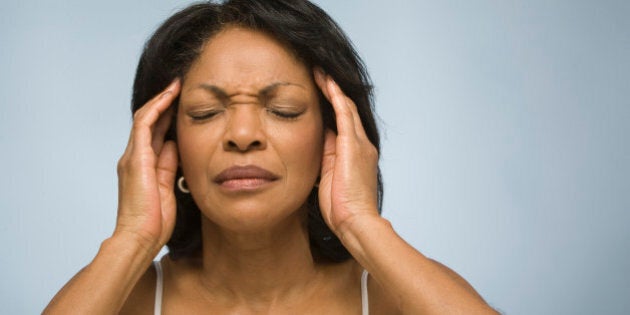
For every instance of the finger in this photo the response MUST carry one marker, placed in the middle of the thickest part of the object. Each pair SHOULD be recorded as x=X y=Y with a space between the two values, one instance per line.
x=334 y=95
x=329 y=153
x=167 y=166
x=150 y=112
x=150 y=105
x=172 y=88
x=166 y=172
x=358 y=124
x=320 y=80
x=146 y=117
x=343 y=114
x=160 y=130
x=328 y=167
x=335 y=90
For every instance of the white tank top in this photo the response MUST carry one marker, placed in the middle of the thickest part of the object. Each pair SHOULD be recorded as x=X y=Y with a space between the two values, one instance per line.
x=159 y=287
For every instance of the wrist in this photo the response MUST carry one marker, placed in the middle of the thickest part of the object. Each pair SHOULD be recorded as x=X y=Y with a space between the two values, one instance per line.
x=359 y=222
x=361 y=229
x=131 y=244
x=102 y=287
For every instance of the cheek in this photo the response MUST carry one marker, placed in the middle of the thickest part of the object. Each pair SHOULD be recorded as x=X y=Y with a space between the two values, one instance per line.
x=302 y=149
x=195 y=146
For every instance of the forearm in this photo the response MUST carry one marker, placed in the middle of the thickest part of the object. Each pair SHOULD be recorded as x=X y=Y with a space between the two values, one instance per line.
x=416 y=283
x=103 y=286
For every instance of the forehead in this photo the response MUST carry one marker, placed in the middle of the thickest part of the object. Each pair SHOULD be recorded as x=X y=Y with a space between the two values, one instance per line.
x=242 y=58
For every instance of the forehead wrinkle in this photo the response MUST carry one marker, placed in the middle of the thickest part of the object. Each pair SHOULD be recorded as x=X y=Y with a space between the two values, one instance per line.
x=263 y=92
x=274 y=86
x=217 y=91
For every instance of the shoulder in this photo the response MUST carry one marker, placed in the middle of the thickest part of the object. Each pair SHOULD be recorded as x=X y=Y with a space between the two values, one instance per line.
x=142 y=298
x=381 y=301
x=456 y=277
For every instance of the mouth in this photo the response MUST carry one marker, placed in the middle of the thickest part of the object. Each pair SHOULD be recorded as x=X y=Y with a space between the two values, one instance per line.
x=244 y=178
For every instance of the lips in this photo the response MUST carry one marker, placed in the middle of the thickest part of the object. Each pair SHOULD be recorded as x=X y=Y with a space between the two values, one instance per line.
x=244 y=177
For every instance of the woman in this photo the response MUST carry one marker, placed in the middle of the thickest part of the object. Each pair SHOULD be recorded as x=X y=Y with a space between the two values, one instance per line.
x=253 y=156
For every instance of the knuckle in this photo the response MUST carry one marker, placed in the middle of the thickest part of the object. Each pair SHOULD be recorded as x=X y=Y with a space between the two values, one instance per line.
x=137 y=115
x=134 y=163
x=137 y=126
x=121 y=165
x=371 y=151
x=345 y=113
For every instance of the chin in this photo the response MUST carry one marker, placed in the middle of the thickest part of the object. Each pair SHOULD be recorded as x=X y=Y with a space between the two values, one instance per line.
x=253 y=217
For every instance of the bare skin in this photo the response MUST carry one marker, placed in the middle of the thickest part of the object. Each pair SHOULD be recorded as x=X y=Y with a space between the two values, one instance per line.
x=256 y=257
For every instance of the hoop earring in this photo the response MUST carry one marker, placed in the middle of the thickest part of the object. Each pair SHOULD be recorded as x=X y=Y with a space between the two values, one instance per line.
x=182 y=186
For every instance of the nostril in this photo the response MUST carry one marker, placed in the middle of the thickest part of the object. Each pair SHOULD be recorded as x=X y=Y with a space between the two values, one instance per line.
x=254 y=145
x=233 y=145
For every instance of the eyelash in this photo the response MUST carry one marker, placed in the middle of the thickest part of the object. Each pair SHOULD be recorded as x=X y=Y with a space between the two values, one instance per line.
x=275 y=112
x=204 y=116
x=284 y=115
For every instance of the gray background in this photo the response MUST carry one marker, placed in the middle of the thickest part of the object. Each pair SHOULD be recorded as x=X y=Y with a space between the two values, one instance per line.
x=505 y=154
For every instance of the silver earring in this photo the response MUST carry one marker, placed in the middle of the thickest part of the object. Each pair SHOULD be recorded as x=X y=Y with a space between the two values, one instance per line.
x=182 y=186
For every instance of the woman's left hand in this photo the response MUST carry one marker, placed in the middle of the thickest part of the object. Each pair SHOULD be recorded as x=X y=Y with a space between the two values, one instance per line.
x=348 y=184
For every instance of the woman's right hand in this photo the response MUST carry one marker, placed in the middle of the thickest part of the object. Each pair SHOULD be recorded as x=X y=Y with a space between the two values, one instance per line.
x=146 y=216
x=146 y=175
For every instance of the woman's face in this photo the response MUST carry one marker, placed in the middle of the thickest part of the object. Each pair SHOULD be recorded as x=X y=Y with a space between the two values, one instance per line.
x=249 y=131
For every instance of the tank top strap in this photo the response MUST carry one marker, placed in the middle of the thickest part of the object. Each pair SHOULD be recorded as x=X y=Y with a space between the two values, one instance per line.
x=159 y=283
x=365 y=303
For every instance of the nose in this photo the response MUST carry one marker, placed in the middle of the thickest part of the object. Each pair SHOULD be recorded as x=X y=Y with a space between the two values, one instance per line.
x=244 y=131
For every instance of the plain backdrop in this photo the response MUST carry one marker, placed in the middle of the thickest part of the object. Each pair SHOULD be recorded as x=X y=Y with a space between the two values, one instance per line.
x=505 y=154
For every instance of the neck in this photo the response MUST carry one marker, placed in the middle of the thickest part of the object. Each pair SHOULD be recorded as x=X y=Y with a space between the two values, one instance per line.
x=257 y=267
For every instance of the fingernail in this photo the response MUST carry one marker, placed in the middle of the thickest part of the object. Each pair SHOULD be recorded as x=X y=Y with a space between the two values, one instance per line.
x=331 y=83
x=167 y=93
x=171 y=88
x=319 y=74
x=173 y=84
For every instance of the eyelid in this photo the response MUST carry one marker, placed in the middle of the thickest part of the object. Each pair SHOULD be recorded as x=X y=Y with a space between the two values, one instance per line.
x=285 y=114
x=287 y=108
x=203 y=114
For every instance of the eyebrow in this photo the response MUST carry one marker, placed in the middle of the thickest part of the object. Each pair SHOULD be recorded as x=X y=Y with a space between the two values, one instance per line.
x=264 y=92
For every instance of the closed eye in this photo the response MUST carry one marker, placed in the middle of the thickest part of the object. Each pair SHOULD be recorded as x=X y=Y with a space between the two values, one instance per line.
x=288 y=115
x=201 y=116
